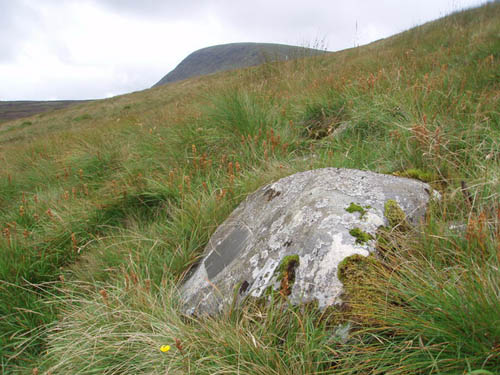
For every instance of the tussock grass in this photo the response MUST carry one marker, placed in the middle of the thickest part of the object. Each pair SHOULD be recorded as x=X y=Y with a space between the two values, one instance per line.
x=125 y=326
x=103 y=216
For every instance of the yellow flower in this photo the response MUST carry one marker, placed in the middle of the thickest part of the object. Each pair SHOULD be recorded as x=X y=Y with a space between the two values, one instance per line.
x=165 y=348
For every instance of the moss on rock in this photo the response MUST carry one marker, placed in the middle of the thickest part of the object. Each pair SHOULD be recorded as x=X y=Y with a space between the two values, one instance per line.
x=417 y=174
x=286 y=273
x=395 y=215
x=359 y=274
x=353 y=207
x=360 y=235
x=353 y=268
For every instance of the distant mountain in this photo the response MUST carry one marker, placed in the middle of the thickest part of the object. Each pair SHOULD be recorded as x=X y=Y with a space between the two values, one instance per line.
x=10 y=110
x=233 y=56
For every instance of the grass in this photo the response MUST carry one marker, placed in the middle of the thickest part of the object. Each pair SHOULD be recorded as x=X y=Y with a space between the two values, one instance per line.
x=10 y=110
x=101 y=217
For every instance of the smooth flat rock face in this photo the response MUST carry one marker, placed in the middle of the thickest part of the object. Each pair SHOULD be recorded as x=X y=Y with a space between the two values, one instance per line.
x=304 y=216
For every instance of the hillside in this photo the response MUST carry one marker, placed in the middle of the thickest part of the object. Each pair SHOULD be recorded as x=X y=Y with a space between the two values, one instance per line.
x=106 y=205
x=233 y=56
x=10 y=110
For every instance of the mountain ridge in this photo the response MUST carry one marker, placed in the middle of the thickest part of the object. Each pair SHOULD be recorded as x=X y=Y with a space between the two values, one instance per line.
x=230 y=56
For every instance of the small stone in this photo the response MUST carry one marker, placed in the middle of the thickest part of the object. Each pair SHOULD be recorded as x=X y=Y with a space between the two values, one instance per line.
x=341 y=333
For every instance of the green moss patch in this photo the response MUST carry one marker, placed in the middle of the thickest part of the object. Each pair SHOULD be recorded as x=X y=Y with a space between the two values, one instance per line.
x=359 y=277
x=353 y=268
x=360 y=235
x=286 y=273
x=395 y=215
x=353 y=207
x=417 y=174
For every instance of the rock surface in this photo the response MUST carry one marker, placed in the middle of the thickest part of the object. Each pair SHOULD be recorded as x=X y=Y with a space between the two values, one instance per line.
x=291 y=236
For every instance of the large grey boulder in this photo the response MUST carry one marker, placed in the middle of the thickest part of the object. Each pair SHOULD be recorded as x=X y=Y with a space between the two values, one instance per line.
x=292 y=235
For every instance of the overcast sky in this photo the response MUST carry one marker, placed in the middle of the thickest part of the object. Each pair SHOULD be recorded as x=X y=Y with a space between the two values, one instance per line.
x=79 y=49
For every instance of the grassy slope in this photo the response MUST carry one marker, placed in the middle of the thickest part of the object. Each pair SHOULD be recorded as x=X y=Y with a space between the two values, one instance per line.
x=18 y=109
x=104 y=206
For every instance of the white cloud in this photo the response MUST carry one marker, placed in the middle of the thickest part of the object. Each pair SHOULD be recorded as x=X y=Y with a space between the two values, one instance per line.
x=94 y=48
